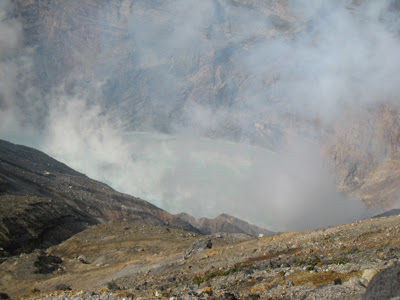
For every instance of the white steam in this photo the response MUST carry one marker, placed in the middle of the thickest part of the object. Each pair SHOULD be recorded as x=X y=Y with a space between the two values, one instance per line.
x=314 y=60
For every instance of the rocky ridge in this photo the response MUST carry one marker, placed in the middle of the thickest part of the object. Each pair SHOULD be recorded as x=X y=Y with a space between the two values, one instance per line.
x=223 y=223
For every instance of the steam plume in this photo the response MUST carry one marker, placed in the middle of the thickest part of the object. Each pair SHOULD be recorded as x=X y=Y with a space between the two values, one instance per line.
x=210 y=69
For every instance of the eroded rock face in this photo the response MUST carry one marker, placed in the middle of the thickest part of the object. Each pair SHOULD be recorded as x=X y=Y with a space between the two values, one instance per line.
x=111 y=42
x=364 y=152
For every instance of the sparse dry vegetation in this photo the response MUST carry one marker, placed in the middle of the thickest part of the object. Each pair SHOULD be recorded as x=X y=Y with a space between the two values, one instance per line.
x=145 y=260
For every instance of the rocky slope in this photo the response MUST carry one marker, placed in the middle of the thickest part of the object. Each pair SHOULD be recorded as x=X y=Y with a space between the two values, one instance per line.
x=125 y=260
x=38 y=192
x=27 y=223
x=45 y=202
x=28 y=172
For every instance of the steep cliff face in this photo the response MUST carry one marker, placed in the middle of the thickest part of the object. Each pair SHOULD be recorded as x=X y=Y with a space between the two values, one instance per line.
x=143 y=53
x=364 y=152
x=69 y=37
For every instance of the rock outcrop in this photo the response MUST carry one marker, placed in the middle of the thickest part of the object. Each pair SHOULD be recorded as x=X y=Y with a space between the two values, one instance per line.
x=198 y=246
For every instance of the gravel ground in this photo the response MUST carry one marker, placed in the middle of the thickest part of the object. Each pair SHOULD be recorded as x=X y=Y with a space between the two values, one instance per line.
x=123 y=261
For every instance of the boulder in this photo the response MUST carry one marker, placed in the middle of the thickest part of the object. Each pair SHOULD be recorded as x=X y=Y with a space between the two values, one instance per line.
x=369 y=273
x=198 y=246
x=63 y=287
x=353 y=282
x=384 y=285
x=337 y=281
x=112 y=286
x=82 y=258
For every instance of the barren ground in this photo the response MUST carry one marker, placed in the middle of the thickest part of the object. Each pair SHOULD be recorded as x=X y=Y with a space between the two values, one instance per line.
x=123 y=259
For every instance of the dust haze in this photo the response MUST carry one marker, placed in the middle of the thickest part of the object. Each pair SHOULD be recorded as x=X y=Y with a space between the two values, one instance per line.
x=209 y=153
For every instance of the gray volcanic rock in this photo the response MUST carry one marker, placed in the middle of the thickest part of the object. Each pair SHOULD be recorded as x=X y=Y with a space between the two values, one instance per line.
x=384 y=285
x=198 y=246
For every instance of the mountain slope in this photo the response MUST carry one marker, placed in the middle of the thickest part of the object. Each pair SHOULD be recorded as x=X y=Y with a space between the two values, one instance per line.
x=39 y=194
x=223 y=223
x=44 y=202
x=29 y=222
x=29 y=172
